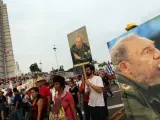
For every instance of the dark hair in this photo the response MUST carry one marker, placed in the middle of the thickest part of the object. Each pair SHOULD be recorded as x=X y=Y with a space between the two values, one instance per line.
x=92 y=68
x=80 y=76
x=72 y=81
x=36 y=90
x=60 y=80
x=46 y=84
x=15 y=90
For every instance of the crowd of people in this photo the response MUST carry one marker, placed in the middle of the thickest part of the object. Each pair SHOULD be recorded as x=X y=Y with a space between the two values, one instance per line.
x=59 y=98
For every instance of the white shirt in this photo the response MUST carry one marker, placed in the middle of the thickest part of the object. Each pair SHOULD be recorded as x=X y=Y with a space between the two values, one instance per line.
x=95 y=99
x=53 y=92
x=67 y=88
x=78 y=83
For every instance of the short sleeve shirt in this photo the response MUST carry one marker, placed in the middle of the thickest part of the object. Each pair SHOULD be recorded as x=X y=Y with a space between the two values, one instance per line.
x=44 y=91
x=67 y=101
x=18 y=98
x=95 y=99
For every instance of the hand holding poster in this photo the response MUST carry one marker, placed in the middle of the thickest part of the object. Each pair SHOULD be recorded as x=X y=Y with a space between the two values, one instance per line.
x=79 y=47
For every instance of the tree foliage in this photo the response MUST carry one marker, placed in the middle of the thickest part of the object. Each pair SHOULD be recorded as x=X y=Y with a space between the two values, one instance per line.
x=34 y=68
x=93 y=62
x=102 y=64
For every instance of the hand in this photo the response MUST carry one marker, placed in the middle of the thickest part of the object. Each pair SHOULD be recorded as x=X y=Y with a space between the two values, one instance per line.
x=88 y=83
x=48 y=110
x=78 y=105
x=76 y=56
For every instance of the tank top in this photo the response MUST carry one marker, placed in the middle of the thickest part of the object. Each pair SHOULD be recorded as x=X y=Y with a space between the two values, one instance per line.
x=35 y=111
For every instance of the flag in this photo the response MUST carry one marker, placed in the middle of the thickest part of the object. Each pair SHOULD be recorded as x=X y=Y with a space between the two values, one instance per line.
x=6 y=52
x=109 y=69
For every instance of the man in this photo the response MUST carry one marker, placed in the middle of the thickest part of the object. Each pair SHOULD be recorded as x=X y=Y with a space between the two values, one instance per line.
x=80 y=52
x=10 y=102
x=18 y=112
x=137 y=64
x=76 y=96
x=79 y=80
x=44 y=91
x=94 y=86
x=67 y=87
x=2 y=105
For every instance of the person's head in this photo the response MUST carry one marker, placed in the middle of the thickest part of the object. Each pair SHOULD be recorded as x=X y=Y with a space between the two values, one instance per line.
x=90 y=69
x=22 y=91
x=51 y=80
x=137 y=58
x=15 y=91
x=40 y=81
x=103 y=74
x=34 y=92
x=71 y=83
x=1 y=92
x=59 y=83
x=25 y=93
x=79 y=42
x=10 y=93
x=79 y=77
x=47 y=84
x=67 y=81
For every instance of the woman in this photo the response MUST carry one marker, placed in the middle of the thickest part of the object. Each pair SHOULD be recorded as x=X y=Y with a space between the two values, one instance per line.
x=37 y=105
x=65 y=97
x=76 y=96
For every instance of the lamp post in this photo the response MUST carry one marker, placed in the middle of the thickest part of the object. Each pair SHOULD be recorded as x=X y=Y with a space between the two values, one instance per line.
x=40 y=65
x=56 y=56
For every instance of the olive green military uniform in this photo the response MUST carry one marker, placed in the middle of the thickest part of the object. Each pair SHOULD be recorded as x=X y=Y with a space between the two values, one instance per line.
x=84 y=53
x=140 y=102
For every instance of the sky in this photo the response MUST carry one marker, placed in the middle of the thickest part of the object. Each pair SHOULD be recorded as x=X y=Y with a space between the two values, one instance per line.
x=37 y=25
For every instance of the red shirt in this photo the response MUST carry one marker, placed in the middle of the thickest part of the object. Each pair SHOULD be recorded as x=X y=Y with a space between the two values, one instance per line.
x=86 y=97
x=66 y=101
x=44 y=91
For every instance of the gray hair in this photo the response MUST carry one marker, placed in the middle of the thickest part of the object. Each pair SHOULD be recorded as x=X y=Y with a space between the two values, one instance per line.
x=119 y=52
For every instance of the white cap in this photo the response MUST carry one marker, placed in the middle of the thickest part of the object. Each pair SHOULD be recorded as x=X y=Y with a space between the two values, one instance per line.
x=67 y=80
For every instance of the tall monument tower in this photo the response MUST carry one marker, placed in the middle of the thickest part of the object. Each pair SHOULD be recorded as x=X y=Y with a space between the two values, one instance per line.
x=7 y=63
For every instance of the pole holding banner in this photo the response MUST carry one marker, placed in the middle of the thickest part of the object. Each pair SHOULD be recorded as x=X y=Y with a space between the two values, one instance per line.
x=84 y=71
x=130 y=26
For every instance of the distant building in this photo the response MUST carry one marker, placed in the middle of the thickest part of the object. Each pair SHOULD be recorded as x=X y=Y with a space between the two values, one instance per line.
x=7 y=63
x=18 y=72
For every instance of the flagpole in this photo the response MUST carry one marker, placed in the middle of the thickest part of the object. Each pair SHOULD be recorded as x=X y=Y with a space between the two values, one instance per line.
x=56 y=57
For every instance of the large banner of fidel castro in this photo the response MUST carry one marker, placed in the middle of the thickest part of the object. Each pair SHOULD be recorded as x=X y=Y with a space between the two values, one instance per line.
x=79 y=47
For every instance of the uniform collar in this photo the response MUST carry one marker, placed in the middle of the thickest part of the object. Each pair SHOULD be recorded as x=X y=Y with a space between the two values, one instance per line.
x=130 y=81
